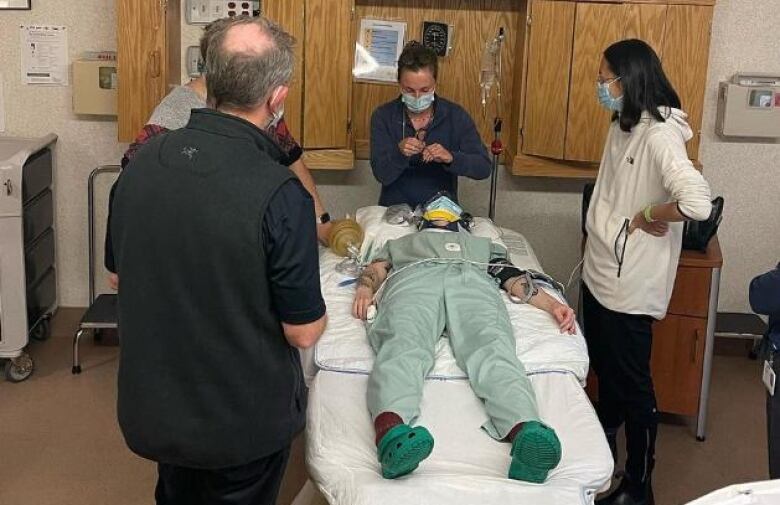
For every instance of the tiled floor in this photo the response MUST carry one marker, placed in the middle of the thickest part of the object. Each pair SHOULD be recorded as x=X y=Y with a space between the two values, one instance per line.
x=60 y=444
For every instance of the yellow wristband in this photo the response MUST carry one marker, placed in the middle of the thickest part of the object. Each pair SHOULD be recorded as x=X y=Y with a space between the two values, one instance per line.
x=648 y=215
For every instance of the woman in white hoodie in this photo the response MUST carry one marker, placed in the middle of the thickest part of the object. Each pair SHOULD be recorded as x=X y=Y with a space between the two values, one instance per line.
x=645 y=189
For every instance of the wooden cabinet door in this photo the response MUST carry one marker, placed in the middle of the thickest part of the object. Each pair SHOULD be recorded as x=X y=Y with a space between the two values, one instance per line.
x=328 y=73
x=597 y=26
x=646 y=22
x=141 y=63
x=685 y=58
x=677 y=362
x=547 y=78
x=290 y=15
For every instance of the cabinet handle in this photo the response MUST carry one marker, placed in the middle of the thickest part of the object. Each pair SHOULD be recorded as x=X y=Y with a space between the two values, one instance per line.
x=9 y=187
x=697 y=333
x=154 y=63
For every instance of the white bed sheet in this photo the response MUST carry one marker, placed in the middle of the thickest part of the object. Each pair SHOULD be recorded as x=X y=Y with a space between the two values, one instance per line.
x=344 y=346
x=466 y=467
x=754 y=493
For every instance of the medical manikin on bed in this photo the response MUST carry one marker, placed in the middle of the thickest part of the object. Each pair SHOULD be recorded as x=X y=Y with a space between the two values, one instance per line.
x=466 y=466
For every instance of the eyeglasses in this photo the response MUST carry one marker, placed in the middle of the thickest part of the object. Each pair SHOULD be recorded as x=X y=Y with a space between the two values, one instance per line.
x=601 y=81
x=620 y=245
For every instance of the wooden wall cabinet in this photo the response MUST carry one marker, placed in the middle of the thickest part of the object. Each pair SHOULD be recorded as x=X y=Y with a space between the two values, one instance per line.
x=318 y=108
x=563 y=128
x=475 y=23
x=148 y=59
x=553 y=124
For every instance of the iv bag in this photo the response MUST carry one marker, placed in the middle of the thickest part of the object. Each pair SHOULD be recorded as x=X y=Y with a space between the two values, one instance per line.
x=490 y=69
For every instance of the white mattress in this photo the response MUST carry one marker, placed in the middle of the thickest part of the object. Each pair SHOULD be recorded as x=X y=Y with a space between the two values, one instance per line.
x=466 y=467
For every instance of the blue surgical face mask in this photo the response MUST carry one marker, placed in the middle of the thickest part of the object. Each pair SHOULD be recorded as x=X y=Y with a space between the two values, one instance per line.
x=606 y=99
x=417 y=104
x=443 y=202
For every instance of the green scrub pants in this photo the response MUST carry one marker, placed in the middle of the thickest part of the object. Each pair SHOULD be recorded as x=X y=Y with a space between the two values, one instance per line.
x=418 y=304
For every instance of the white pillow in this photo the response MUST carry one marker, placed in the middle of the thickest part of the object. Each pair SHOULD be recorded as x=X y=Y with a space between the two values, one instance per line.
x=377 y=231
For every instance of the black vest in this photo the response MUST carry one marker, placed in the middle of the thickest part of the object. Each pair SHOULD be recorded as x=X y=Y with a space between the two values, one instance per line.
x=206 y=377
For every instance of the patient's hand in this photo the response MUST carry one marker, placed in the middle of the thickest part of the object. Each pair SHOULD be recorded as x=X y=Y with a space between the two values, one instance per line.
x=364 y=298
x=113 y=281
x=564 y=315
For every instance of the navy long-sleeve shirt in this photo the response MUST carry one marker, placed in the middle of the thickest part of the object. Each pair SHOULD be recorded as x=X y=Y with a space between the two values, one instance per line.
x=765 y=299
x=409 y=179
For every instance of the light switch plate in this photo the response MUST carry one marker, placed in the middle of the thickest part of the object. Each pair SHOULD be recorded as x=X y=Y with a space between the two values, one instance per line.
x=194 y=61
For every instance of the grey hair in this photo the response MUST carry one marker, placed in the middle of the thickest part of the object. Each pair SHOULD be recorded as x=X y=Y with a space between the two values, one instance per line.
x=244 y=79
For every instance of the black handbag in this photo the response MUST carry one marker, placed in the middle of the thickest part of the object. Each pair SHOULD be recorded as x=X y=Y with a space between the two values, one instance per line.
x=697 y=234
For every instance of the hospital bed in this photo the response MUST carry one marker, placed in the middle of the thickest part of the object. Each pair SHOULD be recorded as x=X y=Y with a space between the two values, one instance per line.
x=466 y=466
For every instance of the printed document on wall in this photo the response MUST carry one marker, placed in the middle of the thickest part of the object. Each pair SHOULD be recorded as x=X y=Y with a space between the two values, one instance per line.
x=44 y=51
x=377 y=50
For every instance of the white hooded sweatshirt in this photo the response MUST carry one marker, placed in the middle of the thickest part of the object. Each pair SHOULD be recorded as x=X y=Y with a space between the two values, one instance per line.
x=634 y=274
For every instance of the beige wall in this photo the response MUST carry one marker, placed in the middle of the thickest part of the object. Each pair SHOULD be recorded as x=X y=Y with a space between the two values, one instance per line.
x=744 y=38
x=83 y=142
x=547 y=211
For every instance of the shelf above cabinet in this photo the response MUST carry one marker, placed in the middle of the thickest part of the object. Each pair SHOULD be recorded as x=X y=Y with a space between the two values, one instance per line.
x=533 y=166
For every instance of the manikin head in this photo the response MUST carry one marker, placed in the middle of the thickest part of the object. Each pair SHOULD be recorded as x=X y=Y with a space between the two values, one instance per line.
x=441 y=212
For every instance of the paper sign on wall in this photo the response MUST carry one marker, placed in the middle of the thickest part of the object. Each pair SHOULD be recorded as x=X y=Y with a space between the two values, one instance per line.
x=377 y=50
x=44 y=51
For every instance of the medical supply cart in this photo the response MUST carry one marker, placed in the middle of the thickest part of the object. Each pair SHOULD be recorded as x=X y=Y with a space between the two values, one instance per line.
x=28 y=279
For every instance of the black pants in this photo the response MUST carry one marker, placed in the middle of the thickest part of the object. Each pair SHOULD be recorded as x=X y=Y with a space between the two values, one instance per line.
x=619 y=347
x=256 y=483
x=773 y=424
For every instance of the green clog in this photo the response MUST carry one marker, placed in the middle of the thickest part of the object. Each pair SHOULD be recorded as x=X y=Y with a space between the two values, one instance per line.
x=535 y=451
x=402 y=449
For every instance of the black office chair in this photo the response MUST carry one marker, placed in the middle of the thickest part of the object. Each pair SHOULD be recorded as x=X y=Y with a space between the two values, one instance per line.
x=102 y=311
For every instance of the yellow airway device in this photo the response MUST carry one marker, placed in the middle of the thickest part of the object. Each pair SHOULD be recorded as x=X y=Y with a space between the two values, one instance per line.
x=346 y=237
x=441 y=215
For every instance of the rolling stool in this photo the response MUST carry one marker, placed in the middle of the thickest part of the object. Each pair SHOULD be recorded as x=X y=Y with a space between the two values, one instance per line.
x=102 y=311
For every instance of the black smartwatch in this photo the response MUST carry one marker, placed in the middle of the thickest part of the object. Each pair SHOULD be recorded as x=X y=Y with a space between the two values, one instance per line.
x=323 y=218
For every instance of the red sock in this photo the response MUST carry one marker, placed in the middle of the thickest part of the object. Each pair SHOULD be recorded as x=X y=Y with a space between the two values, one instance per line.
x=384 y=422
x=513 y=432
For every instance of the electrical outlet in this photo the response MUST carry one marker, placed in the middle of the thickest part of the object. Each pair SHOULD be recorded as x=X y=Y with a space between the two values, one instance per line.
x=203 y=12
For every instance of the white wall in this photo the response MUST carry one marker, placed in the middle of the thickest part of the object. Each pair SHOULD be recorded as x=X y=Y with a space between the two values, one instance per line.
x=744 y=38
x=547 y=211
x=83 y=143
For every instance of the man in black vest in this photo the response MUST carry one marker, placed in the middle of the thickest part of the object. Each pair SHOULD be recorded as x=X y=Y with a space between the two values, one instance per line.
x=217 y=252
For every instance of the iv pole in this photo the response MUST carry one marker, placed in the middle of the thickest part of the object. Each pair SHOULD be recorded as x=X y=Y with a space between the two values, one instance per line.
x=496 y=147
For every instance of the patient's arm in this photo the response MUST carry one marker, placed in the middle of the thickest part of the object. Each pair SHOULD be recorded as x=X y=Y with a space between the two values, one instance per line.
x=563 y=314
x=369 y=282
